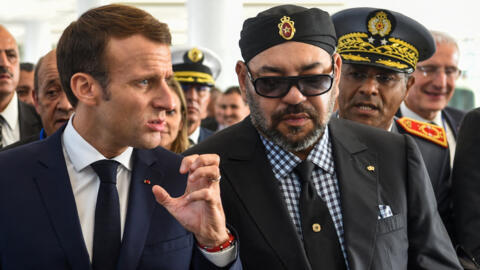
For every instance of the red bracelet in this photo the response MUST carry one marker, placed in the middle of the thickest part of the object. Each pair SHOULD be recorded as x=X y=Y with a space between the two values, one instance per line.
x=222 y=246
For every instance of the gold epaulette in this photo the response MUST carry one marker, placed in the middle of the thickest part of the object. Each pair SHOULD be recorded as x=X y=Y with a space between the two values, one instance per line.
x=424 y=130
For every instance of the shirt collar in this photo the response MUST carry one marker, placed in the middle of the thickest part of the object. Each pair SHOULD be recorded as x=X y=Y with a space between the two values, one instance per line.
x=321 y=151
x=82 y=154
x=409 y=113
x=195 y=135
x=10 y=114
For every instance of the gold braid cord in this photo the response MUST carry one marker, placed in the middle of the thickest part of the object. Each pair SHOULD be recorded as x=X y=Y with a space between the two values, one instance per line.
x=395 y=48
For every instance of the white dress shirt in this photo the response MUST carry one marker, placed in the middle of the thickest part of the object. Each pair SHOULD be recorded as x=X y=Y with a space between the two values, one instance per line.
x=438 y=120
x=10 y=124
x=79 y=154
x=195 y=135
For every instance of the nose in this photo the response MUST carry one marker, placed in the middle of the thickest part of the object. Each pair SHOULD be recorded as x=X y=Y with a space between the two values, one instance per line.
x=3 y=58
x=191 y=94
x=439 y=79
x=294 y=96
x=164 y=100
x=63 y=103
x=369 y=86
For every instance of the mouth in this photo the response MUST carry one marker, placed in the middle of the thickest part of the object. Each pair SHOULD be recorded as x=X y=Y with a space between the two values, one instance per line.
x=156 y=125
x=298 y=119
x=4 y=76
x=365 y=108
x=434 y=94
x=61 y=121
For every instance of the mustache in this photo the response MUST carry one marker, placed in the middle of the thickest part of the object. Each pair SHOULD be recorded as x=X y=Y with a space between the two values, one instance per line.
x=4 y=70
x=294 y=109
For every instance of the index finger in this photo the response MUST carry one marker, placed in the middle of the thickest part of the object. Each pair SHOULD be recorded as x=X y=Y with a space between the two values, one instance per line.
x=193 y=162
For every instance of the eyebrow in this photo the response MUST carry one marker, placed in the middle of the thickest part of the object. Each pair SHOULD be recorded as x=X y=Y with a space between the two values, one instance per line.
x=272 y=69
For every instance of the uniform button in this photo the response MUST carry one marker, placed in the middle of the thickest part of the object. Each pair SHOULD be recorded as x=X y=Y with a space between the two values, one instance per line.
x=316 y=227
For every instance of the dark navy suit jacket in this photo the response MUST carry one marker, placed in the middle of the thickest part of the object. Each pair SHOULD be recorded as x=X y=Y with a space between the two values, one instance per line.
x=39 y=224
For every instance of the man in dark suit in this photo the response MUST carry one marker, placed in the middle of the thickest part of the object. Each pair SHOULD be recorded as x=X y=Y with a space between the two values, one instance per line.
x=433 y=88
x=17 y=119
x=371 y=91
x=82 y=198
x=466 y=184
x=49 y=99
x=196 y=69
x=306 y=192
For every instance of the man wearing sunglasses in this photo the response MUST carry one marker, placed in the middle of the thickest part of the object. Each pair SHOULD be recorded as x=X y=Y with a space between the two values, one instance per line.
x=376 y=78
x=307 y=191
x=196 y=70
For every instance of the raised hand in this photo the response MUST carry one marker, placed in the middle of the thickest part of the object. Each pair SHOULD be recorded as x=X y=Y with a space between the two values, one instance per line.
x=199 y=209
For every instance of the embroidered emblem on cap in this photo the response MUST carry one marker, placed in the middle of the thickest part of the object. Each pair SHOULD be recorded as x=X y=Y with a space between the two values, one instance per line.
x=379 y=24
x=378 y=46
x=286 y=28
x=195 y=55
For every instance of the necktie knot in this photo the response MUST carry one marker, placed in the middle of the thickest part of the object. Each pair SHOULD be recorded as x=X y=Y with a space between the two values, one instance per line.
x=304 y=170
x=106 y=170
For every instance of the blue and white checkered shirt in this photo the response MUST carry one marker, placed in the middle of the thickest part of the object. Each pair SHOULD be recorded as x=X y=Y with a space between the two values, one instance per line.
x=323 y=176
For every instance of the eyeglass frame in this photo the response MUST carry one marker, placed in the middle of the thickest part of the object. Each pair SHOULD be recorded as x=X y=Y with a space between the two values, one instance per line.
x=435 y=69
x=295 y=80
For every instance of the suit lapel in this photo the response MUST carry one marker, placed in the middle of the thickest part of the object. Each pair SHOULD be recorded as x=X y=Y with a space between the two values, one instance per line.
x=248 y=167
x=358 y=192
x=141 y=204
x=56 y=191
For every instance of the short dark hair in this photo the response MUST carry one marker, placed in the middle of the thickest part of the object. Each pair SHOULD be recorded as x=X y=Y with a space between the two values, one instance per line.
x=233 y=90
x=81 y=47
x=27 y=66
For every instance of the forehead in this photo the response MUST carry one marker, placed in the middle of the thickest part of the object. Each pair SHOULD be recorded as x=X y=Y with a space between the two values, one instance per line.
x=7 y=42
x=446 y=54
x=48 y=66
x=137 y=52
x=291 y=54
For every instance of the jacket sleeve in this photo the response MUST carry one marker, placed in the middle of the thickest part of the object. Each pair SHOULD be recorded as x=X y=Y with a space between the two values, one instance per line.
x=466 y=184
x=429 y=244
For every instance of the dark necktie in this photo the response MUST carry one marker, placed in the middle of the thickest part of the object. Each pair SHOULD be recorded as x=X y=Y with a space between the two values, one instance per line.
x=191 y=142
x=320 y=238
x=107 y=230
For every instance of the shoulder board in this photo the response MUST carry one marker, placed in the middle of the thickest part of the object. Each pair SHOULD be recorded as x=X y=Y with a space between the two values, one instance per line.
x=424 y=130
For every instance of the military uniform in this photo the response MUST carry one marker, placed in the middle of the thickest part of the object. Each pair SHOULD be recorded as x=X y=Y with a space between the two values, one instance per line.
x=392 y=41
x=196 y=66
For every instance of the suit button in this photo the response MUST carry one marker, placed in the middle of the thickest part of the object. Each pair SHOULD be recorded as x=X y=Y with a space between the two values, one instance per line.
x=316 y=227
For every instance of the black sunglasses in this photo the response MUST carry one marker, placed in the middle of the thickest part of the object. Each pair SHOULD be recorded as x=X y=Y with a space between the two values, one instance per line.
x=278 y=86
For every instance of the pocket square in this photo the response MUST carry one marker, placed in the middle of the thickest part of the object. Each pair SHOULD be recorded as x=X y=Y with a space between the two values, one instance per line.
x=384 y=211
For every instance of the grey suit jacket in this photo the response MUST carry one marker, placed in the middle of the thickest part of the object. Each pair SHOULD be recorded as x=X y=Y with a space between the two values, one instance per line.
x=413 y=238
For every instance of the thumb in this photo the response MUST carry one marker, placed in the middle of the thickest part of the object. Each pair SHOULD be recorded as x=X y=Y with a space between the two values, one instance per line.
x=162 y=196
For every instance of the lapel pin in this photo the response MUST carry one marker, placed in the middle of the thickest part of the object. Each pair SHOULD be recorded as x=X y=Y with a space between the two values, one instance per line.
x=370 y=168
x=146 y=181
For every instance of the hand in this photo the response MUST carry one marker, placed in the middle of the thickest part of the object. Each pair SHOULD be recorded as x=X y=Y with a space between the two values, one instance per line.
x=199 y=209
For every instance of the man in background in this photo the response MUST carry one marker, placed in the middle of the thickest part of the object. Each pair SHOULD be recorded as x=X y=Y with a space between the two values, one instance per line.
x=196 y=70
x=49 y=99
x=375 y=82
x=25 y=83
x=17 y=119
x=231 y=108
x=434 y=87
